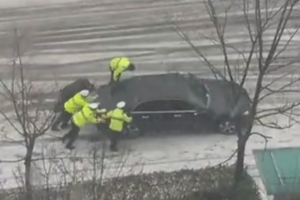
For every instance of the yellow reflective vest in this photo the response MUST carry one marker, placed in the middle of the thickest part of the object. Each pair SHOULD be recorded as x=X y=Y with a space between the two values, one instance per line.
x=117 y=118
x=118 y=66
x=75 y=104
x=85 y=116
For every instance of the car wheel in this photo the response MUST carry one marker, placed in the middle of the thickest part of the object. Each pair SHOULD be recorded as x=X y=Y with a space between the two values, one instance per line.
x=227 y=128
x=131 y=132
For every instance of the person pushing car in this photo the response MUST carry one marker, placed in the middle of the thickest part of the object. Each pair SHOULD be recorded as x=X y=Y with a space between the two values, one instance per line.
x=90 y=114
x=70 y=90
x=73 y=105
x=118 y=66
x=116 y=126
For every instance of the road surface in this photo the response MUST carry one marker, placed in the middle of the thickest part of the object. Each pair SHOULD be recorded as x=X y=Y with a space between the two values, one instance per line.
x=65 y=40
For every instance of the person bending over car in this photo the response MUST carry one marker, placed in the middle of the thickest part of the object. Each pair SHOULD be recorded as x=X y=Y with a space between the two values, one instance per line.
x=70 y=90
x=118 y=66
x=116 y=126
x=73 y=105
x=90 y=114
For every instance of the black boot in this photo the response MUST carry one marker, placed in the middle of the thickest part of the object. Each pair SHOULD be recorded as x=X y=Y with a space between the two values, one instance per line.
x=70 y=146
x=64 y=138
x=64 y=126
x=113 y=148
x=56 y=122
x=72 y=135
x=70 y=143
x=71 y=139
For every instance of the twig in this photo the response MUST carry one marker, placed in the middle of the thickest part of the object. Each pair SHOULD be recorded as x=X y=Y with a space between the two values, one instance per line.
x=228 y=159
x=266 y=138
x=185 y=38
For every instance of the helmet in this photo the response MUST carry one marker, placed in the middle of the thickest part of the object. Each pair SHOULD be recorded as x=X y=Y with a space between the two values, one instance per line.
x=121 y=104
x=94 y=106
x=84 y=93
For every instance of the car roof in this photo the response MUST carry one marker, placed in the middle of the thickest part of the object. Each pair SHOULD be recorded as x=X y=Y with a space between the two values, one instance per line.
x=138 y=89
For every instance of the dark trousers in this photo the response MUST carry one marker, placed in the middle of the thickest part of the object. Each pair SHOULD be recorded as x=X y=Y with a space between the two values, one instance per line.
x=72 y=135
x=111 y=80
x=63 y=118
x=112 y=83
x=114 y=138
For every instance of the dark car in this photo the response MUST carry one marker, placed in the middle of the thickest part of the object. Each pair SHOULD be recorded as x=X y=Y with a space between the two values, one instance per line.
x=175 y=101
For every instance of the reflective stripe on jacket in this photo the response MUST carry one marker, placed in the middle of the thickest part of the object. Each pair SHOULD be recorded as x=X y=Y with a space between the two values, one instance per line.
x=85 y=116
x=117 y=118
x=75 y=104
x=118 y=66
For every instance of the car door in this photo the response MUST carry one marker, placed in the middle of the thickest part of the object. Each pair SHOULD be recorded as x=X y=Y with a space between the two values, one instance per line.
x=164 y=115
x=148 y=116
x=181 y=114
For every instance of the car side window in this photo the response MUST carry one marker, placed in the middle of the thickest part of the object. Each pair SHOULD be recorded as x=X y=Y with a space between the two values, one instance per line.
x=164 y=105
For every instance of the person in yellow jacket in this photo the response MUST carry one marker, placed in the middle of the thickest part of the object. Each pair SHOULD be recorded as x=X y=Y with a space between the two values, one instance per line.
x=119 y=65
x=116 y=126
x=72 y=106
x=90 y=114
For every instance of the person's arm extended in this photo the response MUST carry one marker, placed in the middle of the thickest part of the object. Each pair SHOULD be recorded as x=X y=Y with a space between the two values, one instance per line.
x=126 y=118
x=109 y=114
x=117 y=73
x=94 y=119
x=90 y=99
x=82 y=101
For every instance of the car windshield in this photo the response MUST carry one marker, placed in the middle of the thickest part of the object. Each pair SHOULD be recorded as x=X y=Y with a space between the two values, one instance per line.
x=164 y=106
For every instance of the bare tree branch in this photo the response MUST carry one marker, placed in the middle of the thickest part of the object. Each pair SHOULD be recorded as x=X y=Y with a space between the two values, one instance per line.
x=29 y=121
x=220 y=30
x=266 y=138
x=266 y=20
x=185 y=38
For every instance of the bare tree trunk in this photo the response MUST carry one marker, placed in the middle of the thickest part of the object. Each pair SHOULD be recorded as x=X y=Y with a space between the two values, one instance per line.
x=239 y=170
x=27 y=163
x=243 y=136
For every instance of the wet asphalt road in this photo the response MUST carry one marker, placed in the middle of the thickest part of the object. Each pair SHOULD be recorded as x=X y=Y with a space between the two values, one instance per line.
x=61 y=42
x=69 y=40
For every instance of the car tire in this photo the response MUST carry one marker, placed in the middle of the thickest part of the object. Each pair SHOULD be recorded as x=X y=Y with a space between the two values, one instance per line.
x=227 y=127
x=131 y=132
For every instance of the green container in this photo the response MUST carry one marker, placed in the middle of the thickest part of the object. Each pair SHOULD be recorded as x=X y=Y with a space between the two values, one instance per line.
x=279 y=169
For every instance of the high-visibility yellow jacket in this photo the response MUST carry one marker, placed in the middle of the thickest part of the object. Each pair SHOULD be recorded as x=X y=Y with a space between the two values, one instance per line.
x=85 y=116
x=117 y=118
x=118 y=66
x=75 y=104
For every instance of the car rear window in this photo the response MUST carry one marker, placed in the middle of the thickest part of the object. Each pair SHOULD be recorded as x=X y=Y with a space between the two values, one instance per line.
x=164 y=105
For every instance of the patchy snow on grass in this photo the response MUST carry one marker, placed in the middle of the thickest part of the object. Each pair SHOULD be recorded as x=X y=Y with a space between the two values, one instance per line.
x=147 y=154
